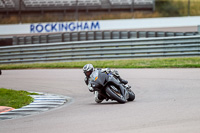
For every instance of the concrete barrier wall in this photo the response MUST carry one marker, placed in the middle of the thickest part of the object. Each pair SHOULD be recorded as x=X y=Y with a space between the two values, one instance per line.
x=53 y=27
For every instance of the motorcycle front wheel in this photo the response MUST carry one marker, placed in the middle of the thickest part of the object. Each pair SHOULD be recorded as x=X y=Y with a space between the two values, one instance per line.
x=131 y=95
x=115 y=94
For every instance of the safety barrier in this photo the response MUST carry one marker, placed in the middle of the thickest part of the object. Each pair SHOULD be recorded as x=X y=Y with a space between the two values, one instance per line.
x=93 y=35
x=101 y=50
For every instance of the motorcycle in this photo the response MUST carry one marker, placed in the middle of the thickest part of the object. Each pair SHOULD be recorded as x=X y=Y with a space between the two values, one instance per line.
x=109 y=87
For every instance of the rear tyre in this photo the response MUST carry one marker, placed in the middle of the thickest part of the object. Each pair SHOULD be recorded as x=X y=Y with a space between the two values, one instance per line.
x=115 y=94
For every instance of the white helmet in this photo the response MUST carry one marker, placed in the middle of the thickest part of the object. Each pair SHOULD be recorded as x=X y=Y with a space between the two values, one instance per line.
x=88 y=69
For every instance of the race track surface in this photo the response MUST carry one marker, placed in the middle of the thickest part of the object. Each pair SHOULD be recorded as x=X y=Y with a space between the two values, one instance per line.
x=167 y=101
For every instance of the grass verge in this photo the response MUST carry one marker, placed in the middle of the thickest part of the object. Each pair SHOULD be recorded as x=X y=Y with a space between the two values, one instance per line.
x=186 y=62
x=15 y=99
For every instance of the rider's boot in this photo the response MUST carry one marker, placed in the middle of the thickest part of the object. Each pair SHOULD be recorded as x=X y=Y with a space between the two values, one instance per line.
x=122 y=80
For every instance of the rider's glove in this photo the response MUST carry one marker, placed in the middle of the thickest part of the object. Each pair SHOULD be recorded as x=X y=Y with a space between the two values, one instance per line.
x=107 y=70
x=115 y=72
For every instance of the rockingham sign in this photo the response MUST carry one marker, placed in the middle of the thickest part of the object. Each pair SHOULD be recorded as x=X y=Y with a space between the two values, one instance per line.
x=64 y=27
x=53 y=27
x=50 y=27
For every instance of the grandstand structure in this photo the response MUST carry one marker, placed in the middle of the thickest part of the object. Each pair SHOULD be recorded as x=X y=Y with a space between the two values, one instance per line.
x=80 y=5
x=7 y=4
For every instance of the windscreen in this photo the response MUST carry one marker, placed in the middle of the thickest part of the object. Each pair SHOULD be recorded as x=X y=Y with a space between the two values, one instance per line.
x=98 y=77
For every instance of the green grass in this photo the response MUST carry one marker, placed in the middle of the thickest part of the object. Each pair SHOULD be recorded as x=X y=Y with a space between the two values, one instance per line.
x=186 y=62
x=15 y=99
x=170 y=8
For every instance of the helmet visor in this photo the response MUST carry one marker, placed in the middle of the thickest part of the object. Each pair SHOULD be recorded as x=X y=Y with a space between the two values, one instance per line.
x=88 y=73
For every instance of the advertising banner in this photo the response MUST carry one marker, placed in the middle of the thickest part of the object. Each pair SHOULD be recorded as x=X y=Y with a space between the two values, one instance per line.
x=122 y=24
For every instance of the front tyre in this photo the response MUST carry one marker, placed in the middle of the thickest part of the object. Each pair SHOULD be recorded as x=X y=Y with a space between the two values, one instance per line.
x=131 y=95
x=115 y=94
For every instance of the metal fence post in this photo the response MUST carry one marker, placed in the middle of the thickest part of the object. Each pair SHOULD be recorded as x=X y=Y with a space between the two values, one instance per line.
x=47 y=38
x=63 y=37
x=31 y=39
x=165 y=34
x=70 y=36
x=111 y=34
x=120 y=34
x=147 y=34
x=103 y=36
x=24 y=39
x=86 y=38
x=129 y=34
x=78 y=36
x=156 y=34
x=95 y=35
x=137 y=34
x=198 y=29
x=15 y=42
x=40 y=38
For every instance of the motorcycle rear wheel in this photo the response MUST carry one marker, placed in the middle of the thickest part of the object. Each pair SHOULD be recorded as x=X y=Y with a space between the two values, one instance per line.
x=115 y=95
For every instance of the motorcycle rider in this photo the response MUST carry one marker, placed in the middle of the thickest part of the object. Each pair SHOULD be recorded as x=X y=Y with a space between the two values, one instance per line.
x=88 y=69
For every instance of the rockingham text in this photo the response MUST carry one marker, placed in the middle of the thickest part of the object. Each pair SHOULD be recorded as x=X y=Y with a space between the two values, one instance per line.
x=64 y=27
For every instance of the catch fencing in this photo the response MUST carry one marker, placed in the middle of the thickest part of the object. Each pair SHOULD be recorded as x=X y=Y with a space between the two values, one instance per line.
x=102 y=50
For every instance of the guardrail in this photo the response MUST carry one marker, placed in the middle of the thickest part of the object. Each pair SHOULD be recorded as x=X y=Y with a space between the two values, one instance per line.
x=101 y=50
x=94 y=35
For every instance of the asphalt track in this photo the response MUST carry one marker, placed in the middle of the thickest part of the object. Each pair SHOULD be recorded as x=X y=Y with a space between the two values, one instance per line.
x=167 y=101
